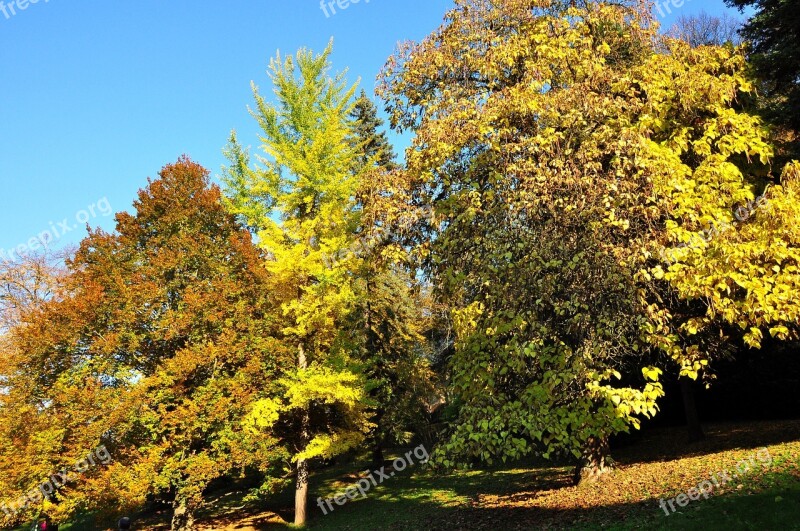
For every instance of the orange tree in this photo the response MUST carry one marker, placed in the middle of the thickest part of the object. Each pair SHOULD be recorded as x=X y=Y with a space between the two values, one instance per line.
x=156 y=349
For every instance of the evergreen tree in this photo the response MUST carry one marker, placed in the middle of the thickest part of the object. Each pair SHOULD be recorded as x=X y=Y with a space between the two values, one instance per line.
x=391 y=308
x=774 y=31
x=368 y=137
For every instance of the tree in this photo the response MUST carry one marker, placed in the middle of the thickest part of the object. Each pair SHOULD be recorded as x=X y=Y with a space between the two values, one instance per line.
x=560 y=150
x=389 y=315
x=28 y=282
x=509 y=102
x=774 y=32
x=156 y=351
x=707 y=30
x=301 y=204
x=369 y=139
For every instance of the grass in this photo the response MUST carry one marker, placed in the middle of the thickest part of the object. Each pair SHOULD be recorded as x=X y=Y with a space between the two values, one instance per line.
x=658 y=464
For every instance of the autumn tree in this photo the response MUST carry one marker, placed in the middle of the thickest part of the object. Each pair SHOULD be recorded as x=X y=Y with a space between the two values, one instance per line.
x=26 y=284
x=508 y=100
x=560 y=150
x=155 y=351
x=300 y=202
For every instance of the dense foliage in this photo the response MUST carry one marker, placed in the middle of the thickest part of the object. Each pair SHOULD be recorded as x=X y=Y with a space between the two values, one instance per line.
x=587 y=207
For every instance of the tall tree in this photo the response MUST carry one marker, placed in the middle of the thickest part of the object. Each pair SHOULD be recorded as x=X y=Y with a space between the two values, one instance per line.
x=156 y=351
x=525 y=212
x=774 y=31
x=301 y=204
x=370 y=139
x=390 y=313
x=560 y=149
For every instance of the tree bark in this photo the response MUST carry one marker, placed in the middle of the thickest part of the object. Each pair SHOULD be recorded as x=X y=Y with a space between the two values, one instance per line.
x=690 y=407
x=301 y=486
x=596 y=461
x=377 y=454
x=183 y=516
x=372 y=351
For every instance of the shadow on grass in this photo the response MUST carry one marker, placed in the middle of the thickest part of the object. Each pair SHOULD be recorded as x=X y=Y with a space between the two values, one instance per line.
x=775 y=508
x=668 y=444
x=523 y=495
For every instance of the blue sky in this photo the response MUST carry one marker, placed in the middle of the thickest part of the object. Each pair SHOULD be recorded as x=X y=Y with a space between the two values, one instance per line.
x=97 y=96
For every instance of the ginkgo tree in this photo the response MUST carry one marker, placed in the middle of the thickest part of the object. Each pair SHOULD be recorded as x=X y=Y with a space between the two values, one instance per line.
x=300 y=201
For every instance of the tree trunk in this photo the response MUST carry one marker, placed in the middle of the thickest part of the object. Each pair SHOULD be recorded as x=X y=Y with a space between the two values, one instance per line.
x=377 y=454
x=596 y=461
x=183 y=516
x=301 y=487
x=690 y=407
x=372 y=351
x=301 y=493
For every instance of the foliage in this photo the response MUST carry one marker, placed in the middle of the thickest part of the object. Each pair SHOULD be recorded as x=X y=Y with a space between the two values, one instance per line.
x=389 y=319
x=514 y=110
x=560 y=150
x=774 y=31
x=300 y=202
x=156 y=349
x=368 y=139
x=586 y=206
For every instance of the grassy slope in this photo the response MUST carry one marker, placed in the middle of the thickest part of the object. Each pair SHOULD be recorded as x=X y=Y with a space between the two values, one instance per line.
x=766 y=496
x=659 y=465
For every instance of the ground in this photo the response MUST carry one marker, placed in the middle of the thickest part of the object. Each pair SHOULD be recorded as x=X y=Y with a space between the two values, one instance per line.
x=763 y=494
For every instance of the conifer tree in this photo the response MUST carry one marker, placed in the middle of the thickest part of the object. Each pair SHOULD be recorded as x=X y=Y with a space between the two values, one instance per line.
x=390 y=314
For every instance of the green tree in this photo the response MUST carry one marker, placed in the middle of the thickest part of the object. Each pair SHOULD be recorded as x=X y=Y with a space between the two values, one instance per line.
x=301 y=204
x=389 y=318
x=509 y=102
x=774 y=31
x=370 y=139
x=560 y=151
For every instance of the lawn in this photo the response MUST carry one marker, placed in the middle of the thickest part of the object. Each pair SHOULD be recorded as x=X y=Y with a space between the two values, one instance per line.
x=658 y=464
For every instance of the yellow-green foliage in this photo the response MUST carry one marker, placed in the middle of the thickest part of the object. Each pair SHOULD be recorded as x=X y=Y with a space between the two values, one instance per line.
x=318 y=385
x=300 y=201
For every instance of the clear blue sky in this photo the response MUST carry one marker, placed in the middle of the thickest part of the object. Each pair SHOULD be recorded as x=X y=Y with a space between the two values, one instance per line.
x=97 y=96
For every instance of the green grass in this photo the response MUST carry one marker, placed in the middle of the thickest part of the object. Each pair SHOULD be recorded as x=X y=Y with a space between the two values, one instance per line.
x=661 y=464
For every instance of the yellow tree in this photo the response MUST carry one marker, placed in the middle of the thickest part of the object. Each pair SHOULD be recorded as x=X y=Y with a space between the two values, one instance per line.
x=513 y=104
x=560 y=147
x=300 y=202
